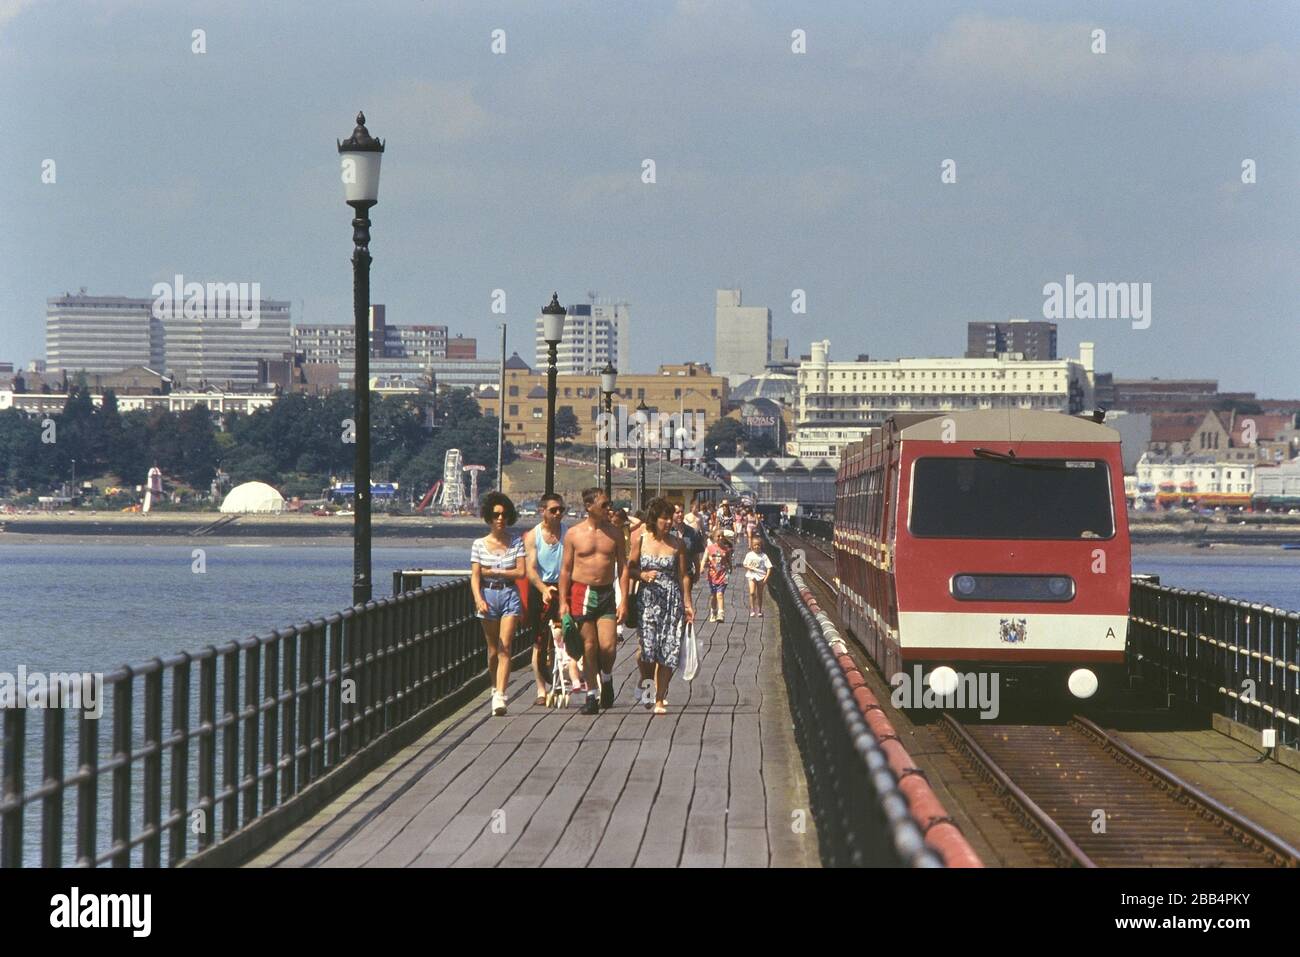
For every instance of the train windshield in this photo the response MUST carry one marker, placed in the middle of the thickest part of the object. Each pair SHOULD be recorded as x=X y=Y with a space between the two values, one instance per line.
x=1004 y=497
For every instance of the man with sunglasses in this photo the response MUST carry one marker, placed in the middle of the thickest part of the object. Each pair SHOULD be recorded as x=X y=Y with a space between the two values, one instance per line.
x=544 y=547
x=594 y=556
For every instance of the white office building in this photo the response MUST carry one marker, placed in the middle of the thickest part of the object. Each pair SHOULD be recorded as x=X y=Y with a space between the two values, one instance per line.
x=594 y=333
x=839 y=402
x=223 y=351
x=742 y=337
x=106 y=334
x=97 y=334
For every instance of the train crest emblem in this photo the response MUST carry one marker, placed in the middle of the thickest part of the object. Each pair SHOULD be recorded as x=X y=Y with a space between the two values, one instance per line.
x=1013 y=630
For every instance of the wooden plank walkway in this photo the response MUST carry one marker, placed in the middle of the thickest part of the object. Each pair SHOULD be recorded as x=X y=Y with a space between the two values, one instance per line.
x=717 y=782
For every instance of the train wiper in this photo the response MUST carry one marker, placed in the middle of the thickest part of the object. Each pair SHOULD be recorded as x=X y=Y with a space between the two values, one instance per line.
x=1009 y=457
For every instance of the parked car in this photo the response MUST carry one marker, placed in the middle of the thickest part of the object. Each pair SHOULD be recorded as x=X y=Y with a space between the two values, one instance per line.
x=528 y=508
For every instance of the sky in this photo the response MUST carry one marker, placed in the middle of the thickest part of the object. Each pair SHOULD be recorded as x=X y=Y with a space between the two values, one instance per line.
x=774 y=170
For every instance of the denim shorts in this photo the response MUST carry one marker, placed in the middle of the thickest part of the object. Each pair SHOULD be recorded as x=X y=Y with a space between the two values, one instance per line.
x=502 y=602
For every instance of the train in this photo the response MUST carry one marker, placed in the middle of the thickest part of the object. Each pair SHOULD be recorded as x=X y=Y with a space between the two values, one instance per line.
x=991 y=542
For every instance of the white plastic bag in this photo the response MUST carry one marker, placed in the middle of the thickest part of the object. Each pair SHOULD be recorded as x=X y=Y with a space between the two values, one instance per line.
x=691 y=653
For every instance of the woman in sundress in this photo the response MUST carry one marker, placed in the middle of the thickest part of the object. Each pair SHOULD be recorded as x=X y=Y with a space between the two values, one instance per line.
x=658 y=561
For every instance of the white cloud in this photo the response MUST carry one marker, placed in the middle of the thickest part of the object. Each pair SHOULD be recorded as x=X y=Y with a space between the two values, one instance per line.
x=1008 y=54
x=441 y=112
x=994 y=58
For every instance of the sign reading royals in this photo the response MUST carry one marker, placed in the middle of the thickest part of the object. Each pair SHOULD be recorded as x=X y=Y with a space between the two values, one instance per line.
x=1013 y=630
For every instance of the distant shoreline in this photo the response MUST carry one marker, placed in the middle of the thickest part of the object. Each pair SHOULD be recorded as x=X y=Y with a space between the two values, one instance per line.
x=247 y=528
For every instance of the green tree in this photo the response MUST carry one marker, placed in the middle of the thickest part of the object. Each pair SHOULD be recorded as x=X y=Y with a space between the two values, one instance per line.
x=23 y=465
x=197 y=445
x=567 y=425
x=456 y=405
x=722 y=437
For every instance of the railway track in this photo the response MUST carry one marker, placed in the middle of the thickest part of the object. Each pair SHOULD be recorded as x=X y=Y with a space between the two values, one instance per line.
x=1095 y=802
x=1078 y=796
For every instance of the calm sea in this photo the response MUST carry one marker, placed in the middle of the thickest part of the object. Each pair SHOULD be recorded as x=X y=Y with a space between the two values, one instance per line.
x=1267 y=575
x=92 y=607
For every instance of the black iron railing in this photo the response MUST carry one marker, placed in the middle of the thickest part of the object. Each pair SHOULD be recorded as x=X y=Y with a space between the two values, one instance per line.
x=253 y=725
x=1234 y=658
x=862 y=818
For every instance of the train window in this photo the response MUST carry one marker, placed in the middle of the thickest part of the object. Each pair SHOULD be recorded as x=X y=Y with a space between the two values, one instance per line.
x=1030 y=498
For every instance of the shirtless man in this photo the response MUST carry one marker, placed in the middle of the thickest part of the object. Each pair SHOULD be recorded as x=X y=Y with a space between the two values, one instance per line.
x=594 y=556
x=543 y=558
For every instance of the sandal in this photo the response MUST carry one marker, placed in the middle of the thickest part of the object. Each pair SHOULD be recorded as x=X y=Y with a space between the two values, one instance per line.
x=661 y=707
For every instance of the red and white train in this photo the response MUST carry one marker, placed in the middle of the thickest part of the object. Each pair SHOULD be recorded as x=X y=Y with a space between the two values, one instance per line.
x=991 y=541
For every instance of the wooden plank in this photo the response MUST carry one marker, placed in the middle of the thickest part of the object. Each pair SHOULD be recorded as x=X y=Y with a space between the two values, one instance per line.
x=581 y=836
x=485 y=817
x=662 y=841
x=631 y=813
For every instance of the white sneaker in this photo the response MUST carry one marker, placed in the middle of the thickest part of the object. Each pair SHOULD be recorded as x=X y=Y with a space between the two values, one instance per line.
x=498 y=704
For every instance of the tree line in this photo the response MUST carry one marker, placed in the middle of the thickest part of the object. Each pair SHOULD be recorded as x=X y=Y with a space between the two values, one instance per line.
x=297 y=444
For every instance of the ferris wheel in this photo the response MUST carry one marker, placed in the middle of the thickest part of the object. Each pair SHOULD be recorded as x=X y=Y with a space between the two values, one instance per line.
x=452 y=496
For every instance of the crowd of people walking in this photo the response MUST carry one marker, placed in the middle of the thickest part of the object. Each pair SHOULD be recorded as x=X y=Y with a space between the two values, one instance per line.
x=607 y=573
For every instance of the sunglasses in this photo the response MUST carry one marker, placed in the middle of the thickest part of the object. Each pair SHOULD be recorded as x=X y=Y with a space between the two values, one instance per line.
x=498 y=513
x=555 y=510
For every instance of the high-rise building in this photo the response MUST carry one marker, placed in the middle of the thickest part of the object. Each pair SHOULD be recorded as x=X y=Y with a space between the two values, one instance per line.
x=1034 y=340
x=223 y=350
x=594 y=333
x=742 y=337
x=194 y=343
x=97 y=333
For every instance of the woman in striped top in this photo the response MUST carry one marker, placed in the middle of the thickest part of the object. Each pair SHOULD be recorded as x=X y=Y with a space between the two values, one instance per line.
x=496 y=566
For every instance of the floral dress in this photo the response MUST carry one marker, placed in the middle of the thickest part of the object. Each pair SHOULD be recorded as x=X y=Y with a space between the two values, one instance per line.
x=662 y=611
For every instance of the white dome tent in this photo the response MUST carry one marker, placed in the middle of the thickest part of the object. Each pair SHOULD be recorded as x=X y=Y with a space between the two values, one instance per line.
x=253 y=497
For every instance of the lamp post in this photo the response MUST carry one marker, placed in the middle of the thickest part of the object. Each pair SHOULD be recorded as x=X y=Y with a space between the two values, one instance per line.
x=608 y=382
x=642 y=410
x=360 y=156
x=552 y=332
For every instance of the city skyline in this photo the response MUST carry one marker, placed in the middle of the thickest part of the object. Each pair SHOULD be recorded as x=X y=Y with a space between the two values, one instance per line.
x=819 y=173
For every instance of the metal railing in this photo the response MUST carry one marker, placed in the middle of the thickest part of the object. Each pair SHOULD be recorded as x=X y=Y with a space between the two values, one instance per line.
x=1235 y=658
x=254 y=725
x=863 y=819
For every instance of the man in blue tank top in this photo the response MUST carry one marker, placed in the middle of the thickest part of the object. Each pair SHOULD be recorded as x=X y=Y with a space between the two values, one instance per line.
x=544 y=548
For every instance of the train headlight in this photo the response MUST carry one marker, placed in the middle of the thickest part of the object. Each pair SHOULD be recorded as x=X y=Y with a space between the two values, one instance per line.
x=965 y=584
x=943 y=681
x=1082 y=683
x=1059 y=587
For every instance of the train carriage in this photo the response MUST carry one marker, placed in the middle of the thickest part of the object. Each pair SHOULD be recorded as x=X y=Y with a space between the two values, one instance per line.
x=991 y=541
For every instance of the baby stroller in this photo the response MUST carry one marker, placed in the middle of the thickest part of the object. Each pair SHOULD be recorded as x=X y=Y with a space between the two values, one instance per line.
x=561 y=683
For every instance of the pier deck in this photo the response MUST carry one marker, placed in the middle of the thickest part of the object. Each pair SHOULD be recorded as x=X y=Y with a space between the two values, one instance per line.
x=717 y=782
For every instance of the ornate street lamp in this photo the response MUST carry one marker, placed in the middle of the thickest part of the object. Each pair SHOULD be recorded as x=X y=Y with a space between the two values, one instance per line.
x=643 y=411
x=608 y=382
x=552 y=332
x=360 y=156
